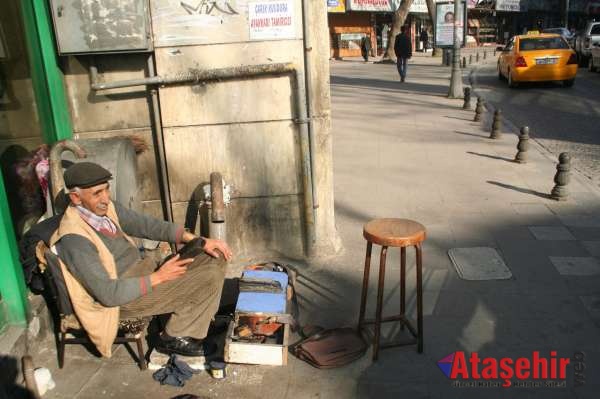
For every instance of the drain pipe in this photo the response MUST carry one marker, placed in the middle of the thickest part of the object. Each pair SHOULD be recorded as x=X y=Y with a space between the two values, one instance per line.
x=216 y=227
x=195 y=76
x=159 y=145
x=309 y=95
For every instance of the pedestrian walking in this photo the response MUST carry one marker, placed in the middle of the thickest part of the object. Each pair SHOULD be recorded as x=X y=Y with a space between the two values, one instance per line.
x=403 y=50
x=424 y=39
x=365 y=47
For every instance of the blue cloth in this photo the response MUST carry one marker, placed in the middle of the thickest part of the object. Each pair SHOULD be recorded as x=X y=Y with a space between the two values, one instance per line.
x=175 y=373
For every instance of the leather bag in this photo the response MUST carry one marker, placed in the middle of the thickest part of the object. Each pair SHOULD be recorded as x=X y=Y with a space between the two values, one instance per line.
x=331 y=348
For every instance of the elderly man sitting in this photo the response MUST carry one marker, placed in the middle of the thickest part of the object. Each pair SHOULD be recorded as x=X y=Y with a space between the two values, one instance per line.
x=107 y=279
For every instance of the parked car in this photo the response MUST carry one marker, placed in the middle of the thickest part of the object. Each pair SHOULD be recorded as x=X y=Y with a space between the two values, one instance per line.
x=565 y=33
x=585 y=40
x=537 y=58
x=594 y=62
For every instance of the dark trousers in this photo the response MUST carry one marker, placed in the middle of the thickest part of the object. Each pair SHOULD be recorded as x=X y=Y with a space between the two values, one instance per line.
x=193 y=299
x=401 y=64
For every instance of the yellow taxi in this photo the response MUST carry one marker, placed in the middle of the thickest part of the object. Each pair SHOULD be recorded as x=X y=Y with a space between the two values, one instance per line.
x=537 y=57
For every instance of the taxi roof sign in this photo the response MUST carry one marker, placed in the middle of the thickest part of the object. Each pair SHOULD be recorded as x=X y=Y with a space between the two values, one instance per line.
x=533 y=32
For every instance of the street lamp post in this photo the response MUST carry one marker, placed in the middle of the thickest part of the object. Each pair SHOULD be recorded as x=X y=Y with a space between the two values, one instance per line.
x=456 y=86
x=567 y=14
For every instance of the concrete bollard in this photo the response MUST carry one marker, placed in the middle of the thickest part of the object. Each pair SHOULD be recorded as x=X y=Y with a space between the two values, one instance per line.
x=477 y=57
x=562 y=177
x=478 y=109
x=523 y=146
x=496 y=125
x=464 y=62
x=470 y=59
x=467 y=98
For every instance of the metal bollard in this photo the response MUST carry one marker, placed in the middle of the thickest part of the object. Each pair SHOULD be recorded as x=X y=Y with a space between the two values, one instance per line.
x=467 y=98
x=496 y=125
x=484 y=54
x=494 y=52
x=464 y=62
x=478 y=109
x=523 y=145
x=443 y=57
x=449 y=58
x=470 y=59
x=477 y=57
x=562 y=177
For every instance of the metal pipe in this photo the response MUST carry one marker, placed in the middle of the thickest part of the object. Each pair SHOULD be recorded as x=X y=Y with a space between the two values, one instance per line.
x=199 y=76
x=216 y=227
x=159 y=145
x=56 y=170
x=216 y=197
x=305 y=155
x=29 y=377
x=311 y=130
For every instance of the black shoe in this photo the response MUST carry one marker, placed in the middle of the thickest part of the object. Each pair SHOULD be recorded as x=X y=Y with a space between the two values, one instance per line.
x=185 y=346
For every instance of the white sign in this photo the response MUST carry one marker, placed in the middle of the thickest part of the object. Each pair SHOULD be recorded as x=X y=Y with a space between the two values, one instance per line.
x=444 y=24
x=510 y=5
x=271 y=20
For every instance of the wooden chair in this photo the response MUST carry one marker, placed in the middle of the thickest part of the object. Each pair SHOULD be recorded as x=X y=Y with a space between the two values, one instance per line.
x=68 y=330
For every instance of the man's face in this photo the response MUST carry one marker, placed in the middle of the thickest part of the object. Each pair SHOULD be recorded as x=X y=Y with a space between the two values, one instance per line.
x=94 y=199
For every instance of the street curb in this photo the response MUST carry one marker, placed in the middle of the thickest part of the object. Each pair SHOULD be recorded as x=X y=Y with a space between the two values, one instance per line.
x=512 y=128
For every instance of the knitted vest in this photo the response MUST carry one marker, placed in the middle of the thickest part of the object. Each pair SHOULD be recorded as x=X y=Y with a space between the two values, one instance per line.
x=100 y=323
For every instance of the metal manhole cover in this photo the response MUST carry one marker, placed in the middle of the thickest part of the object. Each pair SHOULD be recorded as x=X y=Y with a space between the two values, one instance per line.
x=479 y=263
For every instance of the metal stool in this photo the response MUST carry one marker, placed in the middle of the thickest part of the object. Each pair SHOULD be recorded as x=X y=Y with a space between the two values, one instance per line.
x=400 y=233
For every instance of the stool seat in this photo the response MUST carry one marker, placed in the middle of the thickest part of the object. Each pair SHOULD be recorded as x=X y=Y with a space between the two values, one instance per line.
x=393 y=232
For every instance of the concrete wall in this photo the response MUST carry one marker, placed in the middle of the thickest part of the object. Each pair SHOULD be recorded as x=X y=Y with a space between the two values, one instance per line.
x=242 y=128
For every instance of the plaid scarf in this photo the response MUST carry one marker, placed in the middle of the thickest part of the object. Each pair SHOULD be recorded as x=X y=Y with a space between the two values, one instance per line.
x=102 y=224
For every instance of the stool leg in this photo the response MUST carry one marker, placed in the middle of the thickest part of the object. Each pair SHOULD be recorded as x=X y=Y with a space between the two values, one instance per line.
x=419 y=298
x=402 y=285
x=379 y=302
x=365 y=287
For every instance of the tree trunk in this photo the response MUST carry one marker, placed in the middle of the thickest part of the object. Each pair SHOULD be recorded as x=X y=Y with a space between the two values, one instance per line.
x=399 y=18
x=431 y=12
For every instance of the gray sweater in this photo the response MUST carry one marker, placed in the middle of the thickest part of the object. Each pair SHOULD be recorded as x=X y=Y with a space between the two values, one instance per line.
x=82 y=259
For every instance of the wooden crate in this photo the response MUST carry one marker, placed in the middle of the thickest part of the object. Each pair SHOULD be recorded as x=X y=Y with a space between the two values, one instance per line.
x=257 y=353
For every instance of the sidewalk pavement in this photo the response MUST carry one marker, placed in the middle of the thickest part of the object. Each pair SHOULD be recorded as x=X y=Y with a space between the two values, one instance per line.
x=405 y=150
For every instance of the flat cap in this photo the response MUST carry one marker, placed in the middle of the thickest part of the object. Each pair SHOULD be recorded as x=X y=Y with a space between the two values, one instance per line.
x=86 y=174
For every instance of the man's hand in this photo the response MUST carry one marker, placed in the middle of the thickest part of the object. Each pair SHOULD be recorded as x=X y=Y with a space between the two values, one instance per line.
x=170 y=270
x=215 y=247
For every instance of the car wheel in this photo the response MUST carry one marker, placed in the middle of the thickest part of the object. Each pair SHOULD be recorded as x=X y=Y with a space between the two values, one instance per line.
x=583 y=60
x=591 y=66
x=500 y=76
x=569 y=82
x=511 y=83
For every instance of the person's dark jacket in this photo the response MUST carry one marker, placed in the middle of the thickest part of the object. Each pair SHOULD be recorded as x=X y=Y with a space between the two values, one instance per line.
x=402 y=46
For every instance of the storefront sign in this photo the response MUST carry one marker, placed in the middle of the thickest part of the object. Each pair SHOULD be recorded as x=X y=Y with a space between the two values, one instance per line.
x=336 y=6
x=444 y=24
x=511 y=5
x=373 y=5
x=271 y=20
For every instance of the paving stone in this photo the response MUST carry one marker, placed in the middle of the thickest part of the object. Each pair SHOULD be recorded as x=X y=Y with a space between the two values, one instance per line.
x=580 y=220
x=593 y=247
x=528 y=209
x=592 y=304
x=551 y=233
x=576 y=266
